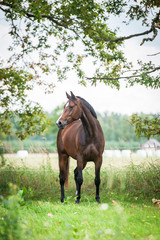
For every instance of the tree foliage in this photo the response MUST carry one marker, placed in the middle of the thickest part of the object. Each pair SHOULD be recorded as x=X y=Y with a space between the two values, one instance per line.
x=44 y=31
x=148 y=126
x=27 y=117
x=51 y=28
x=52 y=130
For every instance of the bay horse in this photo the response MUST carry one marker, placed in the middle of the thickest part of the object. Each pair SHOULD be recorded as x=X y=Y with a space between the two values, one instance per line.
x=81 y=137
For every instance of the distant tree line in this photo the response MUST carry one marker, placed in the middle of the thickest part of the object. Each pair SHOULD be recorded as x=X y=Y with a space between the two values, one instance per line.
x=117 y=127
x=118 y=130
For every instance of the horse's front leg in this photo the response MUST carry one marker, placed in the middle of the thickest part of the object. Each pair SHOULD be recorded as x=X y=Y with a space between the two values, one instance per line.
x=98 y=164
x=63 y=173
x=61 y=179
x=79 y=178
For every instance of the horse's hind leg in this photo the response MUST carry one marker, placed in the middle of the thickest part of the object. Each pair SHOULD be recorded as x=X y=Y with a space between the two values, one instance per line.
x=63 y=161
x=75 y=178
x=98 y=164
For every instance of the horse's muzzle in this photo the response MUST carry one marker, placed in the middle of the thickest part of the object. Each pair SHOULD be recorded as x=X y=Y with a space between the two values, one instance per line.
x=60 y=124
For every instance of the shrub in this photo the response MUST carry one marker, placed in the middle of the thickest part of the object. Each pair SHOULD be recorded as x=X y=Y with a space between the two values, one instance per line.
x=10 y=227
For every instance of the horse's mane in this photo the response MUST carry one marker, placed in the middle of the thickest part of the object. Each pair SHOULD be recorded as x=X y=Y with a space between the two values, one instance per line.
x=88 y=106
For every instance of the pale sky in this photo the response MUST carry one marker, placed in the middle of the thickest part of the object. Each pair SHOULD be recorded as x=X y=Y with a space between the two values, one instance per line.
x=103 y=98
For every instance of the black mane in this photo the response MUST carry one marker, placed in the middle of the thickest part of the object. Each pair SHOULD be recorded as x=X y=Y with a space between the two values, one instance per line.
x=88 y=106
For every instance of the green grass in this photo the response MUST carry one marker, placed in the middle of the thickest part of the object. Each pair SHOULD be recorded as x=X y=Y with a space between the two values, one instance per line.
x=35 y=212
x=48 y=220
x=123 y=220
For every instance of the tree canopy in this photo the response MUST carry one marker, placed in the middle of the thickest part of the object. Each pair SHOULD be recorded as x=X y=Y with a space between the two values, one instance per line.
x=42 y=31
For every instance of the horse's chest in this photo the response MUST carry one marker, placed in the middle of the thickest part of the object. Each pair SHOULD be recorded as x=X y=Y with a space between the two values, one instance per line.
x=90 y=152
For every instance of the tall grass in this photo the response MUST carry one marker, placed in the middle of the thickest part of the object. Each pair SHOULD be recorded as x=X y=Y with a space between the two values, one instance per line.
x=134 y=181
x=40 y=183
x=43 y=182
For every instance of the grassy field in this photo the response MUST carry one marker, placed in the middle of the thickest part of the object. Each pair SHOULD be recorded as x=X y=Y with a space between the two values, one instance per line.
x=30 y=206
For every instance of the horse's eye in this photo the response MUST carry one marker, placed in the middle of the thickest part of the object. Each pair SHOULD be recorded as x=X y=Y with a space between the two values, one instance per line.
x=70 y=107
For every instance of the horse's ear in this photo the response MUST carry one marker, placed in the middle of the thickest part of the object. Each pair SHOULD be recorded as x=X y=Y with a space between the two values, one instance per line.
x=73 y=96
x=68 y=96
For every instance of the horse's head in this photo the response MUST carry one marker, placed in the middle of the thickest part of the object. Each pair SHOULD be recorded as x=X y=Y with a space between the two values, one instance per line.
x=72 y=111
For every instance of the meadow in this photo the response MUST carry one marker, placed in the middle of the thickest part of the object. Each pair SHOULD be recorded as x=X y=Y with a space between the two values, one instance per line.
x=30 y=205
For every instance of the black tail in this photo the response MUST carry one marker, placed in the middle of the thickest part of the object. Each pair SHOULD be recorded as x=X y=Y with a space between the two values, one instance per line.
x=67 y=174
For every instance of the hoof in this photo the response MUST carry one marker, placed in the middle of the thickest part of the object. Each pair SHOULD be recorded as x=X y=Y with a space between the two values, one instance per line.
x=77 y=201
x=98 y=200
x=62 y=200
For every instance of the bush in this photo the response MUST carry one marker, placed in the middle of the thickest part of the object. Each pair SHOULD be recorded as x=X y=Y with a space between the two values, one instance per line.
x=10 y=227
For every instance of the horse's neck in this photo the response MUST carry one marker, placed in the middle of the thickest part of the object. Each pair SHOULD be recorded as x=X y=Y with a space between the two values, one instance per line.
x=88 y=121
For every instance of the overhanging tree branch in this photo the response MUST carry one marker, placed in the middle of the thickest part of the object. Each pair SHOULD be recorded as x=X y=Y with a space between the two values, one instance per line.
x=155 y=24
x=150 y=55
x=120 y=39
x=123 y=77
x=30 y=15
x=129 y=36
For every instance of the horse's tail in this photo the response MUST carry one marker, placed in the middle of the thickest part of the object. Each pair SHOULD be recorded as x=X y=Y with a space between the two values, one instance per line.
x=67 y=173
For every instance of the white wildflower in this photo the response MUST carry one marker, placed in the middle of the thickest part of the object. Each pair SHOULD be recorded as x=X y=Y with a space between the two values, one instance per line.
x=104 y=206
